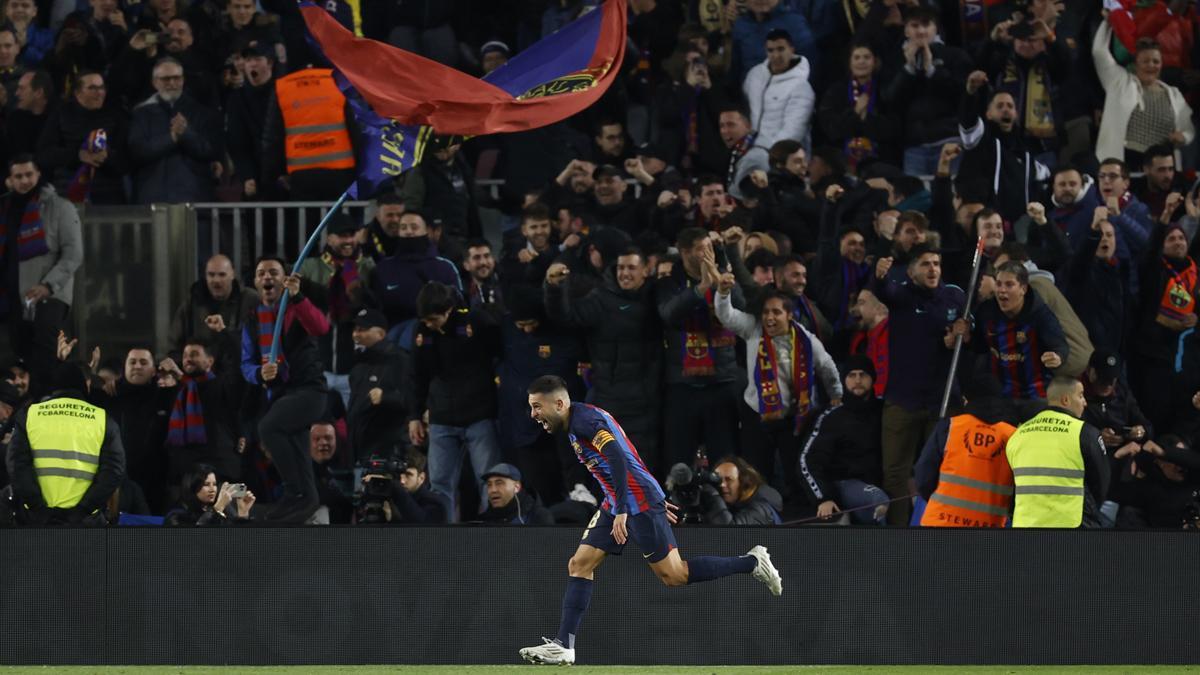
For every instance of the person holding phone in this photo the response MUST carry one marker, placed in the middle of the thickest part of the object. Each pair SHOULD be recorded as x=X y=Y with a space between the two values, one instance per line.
x=203 y=504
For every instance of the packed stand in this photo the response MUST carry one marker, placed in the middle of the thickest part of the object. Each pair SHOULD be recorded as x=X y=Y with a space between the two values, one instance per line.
x=755 y=252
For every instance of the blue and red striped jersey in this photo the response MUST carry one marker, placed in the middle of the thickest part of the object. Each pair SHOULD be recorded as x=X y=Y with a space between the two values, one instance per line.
x=601 y=445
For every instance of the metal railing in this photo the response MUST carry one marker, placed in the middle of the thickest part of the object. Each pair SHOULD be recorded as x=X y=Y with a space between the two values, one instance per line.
x=247 y=230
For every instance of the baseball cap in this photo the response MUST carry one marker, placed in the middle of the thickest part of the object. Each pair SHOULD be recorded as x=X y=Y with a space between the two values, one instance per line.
x=649 y=149
x=1107 y=365
x=504 y=470
x=370 y=318
x=257 y=48
x=605 y=171
x=341 y=224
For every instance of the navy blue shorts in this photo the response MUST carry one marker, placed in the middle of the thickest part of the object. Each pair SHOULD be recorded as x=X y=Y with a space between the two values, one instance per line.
x=650 y=530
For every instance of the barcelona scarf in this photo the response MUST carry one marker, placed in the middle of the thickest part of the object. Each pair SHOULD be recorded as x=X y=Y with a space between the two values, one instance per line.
x=266 y=334
x=345 y=275
x=80 y=187
x=802 y=379
x=31 y=234
x=1177 y=300
x=186 y=426
x=703 y=332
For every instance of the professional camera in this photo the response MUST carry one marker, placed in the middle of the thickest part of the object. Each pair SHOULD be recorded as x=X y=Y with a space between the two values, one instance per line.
x=369 y=499
x=685 y=484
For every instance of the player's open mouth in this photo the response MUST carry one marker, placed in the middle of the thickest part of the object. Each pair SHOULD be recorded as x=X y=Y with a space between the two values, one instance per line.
x=545 y=424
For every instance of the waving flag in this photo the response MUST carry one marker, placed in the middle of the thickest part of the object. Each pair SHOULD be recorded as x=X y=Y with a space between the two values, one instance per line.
x=556 y=77
x=387 y=148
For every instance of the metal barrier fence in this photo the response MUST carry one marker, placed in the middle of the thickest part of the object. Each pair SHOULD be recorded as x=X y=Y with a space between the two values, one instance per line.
x=247 y=230
x=131 y=280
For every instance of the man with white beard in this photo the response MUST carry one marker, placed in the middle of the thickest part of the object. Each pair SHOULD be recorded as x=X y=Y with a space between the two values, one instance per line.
x=172 y=141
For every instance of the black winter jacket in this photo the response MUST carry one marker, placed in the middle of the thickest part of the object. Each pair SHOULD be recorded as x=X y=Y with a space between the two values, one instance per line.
x=845 y=444
x=624 y=342
x=375 y=429
x=453 y=374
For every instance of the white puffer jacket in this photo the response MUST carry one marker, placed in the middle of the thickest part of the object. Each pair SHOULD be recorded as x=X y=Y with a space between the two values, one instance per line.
x=781 y=105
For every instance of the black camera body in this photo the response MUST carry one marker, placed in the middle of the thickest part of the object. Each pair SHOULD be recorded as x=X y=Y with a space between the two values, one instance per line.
x=383 y=472
x=686 y=484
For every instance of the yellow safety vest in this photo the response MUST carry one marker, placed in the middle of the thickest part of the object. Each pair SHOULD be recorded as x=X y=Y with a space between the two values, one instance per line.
x=1047 y=468
x=65 y=437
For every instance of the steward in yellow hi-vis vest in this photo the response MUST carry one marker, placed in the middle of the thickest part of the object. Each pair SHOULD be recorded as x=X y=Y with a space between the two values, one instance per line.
x=66 y=457
x=1060 y=472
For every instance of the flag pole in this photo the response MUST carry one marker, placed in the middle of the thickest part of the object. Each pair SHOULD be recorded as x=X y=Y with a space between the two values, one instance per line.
x=312 y=240
x=966 y=314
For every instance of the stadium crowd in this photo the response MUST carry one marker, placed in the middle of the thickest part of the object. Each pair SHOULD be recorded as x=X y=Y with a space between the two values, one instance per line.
x=754 y=251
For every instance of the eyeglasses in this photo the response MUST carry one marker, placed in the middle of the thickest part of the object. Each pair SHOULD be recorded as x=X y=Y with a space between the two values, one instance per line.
x=1109 y=176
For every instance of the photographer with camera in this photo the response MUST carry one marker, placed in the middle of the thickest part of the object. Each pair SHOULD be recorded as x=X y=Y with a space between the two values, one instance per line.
x=396 y=491
x=734 y=493
x=508 y=503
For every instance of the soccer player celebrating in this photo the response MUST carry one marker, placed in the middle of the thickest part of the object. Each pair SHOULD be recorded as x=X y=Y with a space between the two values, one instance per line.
x=634 y=507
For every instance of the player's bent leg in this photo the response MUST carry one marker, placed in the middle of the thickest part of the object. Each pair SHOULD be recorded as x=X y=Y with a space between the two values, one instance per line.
x=585 y=561
x=671 y=570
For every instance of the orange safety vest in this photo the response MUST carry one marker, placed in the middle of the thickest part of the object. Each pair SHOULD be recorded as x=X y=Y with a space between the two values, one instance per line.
x=314 y=121
x=975 y=486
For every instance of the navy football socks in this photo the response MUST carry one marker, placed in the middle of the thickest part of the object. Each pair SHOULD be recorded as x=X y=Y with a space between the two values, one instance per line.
x=574 y=606
x=707 y=568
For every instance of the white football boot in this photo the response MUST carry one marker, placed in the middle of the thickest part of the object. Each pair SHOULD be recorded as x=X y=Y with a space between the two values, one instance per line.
x=764 y=571
x=550 y=653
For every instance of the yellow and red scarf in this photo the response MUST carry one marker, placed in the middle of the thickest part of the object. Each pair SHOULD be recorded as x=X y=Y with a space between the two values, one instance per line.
x=802 y=379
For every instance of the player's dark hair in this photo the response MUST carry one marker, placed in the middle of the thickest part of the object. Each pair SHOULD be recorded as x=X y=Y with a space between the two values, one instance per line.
x=761 y=258
x=269 y=257
x=919 y=249
x=416 y=460
x=707 y=179
x=199 y=341
x=547 y=384
x=1155 y=151
x=435 y=298
x=1014 y=251
x=21 y=158
x=785 y=260
x=749 y=479
x=780 y=34
x=781 y=150
x=1119 y=163
x=1017 y=270
x=1064 y=168
x=193 y=480
x=775 y=294
x=913 y=217
x=476 y=242
x=535 y=211
x=389 y=199
x=688 y=237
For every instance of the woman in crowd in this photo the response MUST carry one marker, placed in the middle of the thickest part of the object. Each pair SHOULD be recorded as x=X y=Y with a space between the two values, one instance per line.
x=203 y=505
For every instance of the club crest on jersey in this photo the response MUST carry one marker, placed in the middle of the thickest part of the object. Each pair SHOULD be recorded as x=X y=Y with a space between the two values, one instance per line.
x=544 y=351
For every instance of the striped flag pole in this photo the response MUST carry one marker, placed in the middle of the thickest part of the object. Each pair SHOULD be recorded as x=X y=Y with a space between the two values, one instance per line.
x=283 y=300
